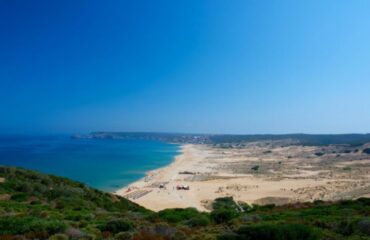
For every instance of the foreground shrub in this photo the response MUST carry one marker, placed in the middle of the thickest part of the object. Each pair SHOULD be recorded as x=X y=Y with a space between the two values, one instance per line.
x=278 y=232
x=19 y=197
x=116 y=226
x=74 y=233
x=198 y=221
x=224 y=210
x=123 y=236
x=229 y=236
x=59 y=236
x=364 y=226
x=345 y=227
x=159 y=232
x=223 y=215
x=273 y=232
x=13 y=225
x=224 y=202
x=177 y=215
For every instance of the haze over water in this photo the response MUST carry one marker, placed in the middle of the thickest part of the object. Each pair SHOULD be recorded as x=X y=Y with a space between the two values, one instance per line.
x=104 y=164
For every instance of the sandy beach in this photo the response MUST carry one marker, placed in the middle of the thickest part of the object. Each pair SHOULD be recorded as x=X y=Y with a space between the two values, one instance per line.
x=260 y=172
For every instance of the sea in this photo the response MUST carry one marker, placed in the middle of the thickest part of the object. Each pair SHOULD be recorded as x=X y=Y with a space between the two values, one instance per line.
x=105 y=164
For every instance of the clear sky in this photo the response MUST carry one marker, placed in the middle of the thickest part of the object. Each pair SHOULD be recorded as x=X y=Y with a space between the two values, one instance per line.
x=185 y=66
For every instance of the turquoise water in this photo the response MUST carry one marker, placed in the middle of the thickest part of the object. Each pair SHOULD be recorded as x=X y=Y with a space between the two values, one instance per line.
x=105 y=164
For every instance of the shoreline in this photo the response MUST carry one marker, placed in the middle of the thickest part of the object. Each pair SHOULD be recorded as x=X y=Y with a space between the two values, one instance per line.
x=149 y=173
x=213 y=172
x=145 y=191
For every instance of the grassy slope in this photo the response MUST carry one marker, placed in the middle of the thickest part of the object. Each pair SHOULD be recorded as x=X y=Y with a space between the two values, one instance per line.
x=35 y=203
x=37 y=206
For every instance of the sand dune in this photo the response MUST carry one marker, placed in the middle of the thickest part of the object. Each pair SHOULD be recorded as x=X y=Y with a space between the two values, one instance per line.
x=283 y=174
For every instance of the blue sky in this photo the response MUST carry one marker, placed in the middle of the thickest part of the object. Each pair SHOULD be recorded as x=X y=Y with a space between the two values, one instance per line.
x=185 y=66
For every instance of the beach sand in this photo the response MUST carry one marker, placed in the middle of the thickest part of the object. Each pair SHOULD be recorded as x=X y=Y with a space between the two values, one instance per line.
x=285 y=174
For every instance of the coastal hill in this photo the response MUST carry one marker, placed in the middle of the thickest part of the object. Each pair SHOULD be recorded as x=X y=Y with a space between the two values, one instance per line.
x=39 y=206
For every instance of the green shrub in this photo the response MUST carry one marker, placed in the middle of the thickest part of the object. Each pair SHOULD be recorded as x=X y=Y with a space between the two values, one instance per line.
x=223 y=215
x=14 y=225
x=246 y=207
x=24 y=187
x=363 y=201
x=224 y=210
x=318 y=202
x=116 y=226
x=177 y=215
x=250 y=218
x=224 y=202
x=123 y=236
x=85 y=211
x=255 y=168
x=59 y=236
x=198 y=221
x=364 y=226
x=278 y=232
x=366 y=150
x=20 y=197
x=160 y=231
x=345 y=227
x=229 y=236
x=266 y=207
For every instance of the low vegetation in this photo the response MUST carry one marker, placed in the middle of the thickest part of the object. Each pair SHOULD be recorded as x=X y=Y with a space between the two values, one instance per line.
x=255 y=168
x=319 y=154
x=38 y=206
x=366 y=150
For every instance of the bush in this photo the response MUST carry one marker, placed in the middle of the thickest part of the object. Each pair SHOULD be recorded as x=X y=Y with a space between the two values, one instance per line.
x=50 y=226
x=225 y=209
x=160 y=231
x=278 y=232
x=364 y=201
x=198 y=221
x=345 y=227
x=266 y=207
x=116 y=226
x=255 y=168
x=59 y=236
x=366 y=150
x=74 y=233
x=223 y=215
x=177 y=215
x=246 y=207
x=123 y=236
x=229 y=236
x=13 y=225
x=225 y=202
x=364 y=226
x=250 y=218
x=25 y=187
x=20 y=197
